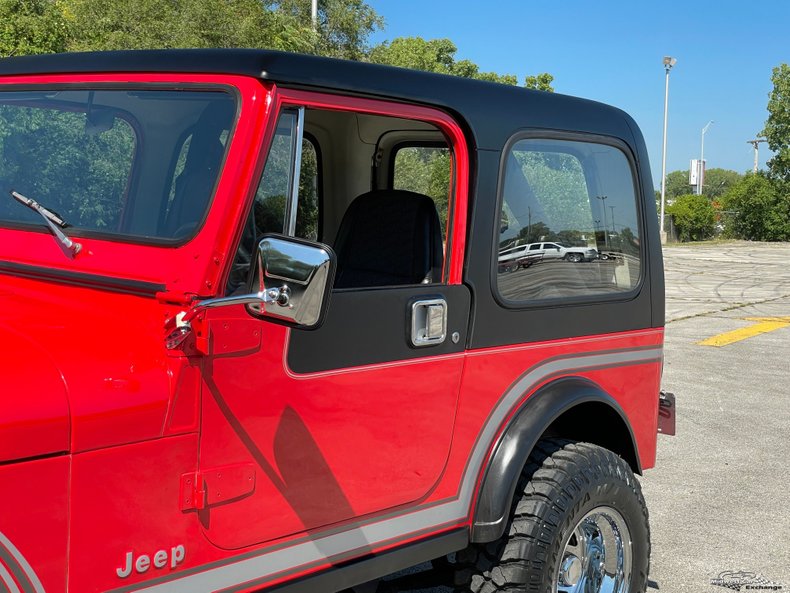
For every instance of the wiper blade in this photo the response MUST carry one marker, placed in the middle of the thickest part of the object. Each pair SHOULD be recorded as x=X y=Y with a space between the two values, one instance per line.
x=70 y=248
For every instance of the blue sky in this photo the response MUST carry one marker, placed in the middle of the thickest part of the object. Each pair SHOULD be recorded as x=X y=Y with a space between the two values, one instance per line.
x=612 y=51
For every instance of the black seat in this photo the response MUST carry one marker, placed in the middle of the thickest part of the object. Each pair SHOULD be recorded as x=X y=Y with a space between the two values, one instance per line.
x=195 y=184
x=389 y=238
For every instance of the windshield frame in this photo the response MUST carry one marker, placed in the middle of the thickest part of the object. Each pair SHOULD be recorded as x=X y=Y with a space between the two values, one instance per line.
x=117 y=237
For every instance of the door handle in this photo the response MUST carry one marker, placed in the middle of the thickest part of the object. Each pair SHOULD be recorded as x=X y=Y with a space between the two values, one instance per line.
x=428 y=322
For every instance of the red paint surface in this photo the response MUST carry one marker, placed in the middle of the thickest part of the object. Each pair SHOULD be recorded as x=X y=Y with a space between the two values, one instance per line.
x=34 y=516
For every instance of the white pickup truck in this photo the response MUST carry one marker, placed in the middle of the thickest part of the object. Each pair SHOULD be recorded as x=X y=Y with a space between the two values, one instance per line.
x=523 y=256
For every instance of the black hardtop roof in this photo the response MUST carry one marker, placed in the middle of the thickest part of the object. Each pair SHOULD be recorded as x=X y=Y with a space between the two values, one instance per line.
x=491 y=112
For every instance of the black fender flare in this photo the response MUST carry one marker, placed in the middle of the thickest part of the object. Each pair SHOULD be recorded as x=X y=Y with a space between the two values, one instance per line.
x=515 y=444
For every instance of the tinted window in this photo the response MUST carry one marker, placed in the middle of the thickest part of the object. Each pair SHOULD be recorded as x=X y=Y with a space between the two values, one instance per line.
x=139 y=163
x=577 y=198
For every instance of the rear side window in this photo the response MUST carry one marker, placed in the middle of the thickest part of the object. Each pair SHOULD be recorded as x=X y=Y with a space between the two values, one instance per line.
x=572 y=208
x=424 y=169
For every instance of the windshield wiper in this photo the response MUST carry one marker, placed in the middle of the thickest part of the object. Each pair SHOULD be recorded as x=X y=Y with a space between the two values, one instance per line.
x=69 y=247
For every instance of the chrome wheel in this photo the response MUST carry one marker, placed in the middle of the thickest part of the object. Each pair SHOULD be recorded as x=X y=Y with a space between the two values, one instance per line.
x=597 y=556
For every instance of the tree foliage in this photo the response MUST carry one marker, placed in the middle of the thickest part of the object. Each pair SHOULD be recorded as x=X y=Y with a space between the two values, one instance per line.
x=31 y=27
x=694 y=217
x=438 y=55
x=45 y=26
x=777 y=126
x=541 y=82
x=717 y=182
x=431 y=55
x=758 y=209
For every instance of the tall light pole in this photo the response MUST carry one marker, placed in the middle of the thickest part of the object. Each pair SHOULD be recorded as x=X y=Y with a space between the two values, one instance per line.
x=614 y=230
x=668 y=63
x=756 y=143
x=314 y=15
x=701 y=172
x=605 y=227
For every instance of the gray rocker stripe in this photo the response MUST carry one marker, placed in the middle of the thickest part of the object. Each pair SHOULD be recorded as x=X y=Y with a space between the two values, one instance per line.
x=12 y=558
x=269 y=563
x=7 y=584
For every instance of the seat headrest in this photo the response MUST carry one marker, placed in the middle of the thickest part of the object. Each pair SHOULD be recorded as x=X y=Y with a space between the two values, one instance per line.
x=389 y=237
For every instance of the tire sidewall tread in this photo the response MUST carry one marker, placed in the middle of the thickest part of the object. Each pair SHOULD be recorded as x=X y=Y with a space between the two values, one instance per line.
x=561 y=482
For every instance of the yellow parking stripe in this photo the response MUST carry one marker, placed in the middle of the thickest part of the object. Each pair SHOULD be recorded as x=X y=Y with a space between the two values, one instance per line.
x=761 y=325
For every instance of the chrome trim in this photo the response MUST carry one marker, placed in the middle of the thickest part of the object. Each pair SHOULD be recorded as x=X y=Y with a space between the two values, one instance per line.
x=296 y=168
x=596 y=554
x=425 y=315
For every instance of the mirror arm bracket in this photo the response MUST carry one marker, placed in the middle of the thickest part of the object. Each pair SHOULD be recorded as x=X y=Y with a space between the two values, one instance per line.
x=280 y=296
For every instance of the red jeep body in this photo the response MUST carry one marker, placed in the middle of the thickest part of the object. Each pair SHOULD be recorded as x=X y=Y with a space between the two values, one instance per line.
x=251 y=453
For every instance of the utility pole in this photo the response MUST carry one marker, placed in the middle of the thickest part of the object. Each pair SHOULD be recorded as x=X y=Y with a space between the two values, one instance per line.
x=314 y=14
x=755 y=143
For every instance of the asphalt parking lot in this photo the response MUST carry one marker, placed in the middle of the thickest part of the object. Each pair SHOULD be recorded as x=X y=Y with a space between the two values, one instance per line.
x=719 y=497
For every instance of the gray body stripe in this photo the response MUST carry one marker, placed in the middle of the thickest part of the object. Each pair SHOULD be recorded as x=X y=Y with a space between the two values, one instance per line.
x=5 y=577
x=270 y=563
x=19 y=566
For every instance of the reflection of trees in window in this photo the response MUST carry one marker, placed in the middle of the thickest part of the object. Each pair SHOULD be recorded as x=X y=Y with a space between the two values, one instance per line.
x=271 y=196
x=557 y=179
x=50 y=156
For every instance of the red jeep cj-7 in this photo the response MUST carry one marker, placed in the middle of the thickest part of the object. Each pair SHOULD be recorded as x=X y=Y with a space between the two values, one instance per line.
x=255 y=335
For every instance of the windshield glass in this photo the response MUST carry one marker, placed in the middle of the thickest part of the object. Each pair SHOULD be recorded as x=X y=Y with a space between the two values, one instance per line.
x=136 y=163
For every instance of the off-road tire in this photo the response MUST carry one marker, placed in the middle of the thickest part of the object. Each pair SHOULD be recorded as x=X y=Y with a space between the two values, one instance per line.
x=561 y=482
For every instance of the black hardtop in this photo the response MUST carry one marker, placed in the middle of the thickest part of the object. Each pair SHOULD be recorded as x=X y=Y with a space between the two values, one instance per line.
x=491 y=112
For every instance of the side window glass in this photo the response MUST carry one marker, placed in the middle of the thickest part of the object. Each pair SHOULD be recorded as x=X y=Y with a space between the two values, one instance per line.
x=272 y=194
x=574 y=205
x=425 y=169
x=271 y=198
x=307 y=212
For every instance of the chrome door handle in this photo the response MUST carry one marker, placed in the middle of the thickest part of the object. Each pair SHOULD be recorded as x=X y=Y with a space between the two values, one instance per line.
x=428 y=322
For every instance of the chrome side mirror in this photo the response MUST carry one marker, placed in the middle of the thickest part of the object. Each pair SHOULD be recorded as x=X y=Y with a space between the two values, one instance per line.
x=295 y=278
x=290 y=284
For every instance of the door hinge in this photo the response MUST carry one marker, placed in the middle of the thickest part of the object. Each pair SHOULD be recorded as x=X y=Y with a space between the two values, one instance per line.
x=216 y=486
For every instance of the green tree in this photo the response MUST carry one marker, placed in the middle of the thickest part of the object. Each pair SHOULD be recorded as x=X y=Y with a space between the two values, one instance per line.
x=438 y=55
x=31 y=27
x=541 y=82
x=343 y=26
x=677 y=184
x=758 y=210
x=693 y=216
x=719 y=181
x=146 y=24
x=777 y=126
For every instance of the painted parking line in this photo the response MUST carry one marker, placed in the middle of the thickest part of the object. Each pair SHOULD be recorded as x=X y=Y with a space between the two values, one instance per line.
x=760 y=325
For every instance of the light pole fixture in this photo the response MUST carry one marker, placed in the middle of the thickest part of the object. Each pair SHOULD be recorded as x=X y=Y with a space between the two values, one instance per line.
x=701 y=165
x=668 y=63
